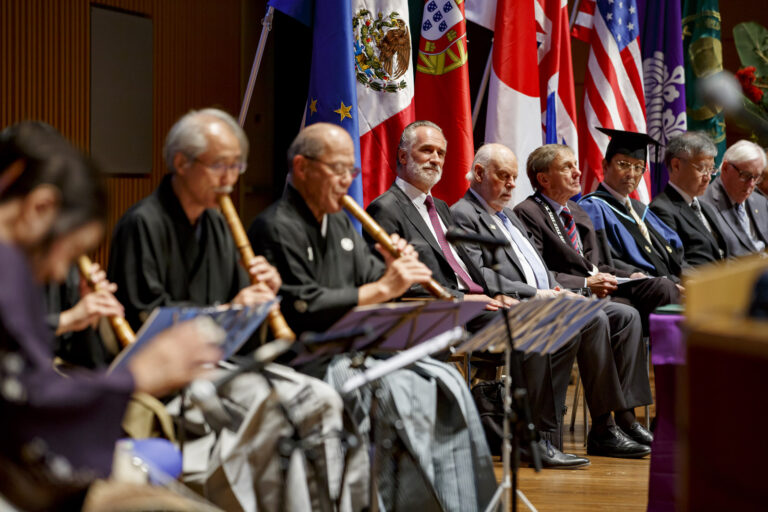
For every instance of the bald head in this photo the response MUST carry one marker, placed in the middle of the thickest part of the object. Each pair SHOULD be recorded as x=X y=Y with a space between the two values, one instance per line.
x=316 y=139
x=494 y=174
x=322 y=164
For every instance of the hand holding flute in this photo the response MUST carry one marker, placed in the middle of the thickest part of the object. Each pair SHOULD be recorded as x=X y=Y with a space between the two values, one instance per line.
x=97 y=304
x=393 y=248
x=276 y=320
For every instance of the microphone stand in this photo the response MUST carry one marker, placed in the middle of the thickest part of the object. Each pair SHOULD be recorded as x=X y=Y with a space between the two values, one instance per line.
x=518 y=415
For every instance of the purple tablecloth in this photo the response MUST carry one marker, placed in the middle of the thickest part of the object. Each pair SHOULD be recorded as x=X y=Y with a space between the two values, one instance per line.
x=667 y=352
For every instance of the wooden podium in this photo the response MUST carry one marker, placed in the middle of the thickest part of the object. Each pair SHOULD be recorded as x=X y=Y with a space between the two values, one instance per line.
x=723 y=389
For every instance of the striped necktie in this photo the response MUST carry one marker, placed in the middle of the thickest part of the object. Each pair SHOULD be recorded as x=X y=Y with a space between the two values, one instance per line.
x=570 y=228
x=638 y=220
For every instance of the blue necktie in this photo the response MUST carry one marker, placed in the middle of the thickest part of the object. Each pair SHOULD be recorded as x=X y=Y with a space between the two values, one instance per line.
x=525 y=247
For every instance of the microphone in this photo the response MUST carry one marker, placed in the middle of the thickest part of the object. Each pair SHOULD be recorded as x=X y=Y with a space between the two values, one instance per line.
x=204 y=393
x=457 y=235
x=723 y=90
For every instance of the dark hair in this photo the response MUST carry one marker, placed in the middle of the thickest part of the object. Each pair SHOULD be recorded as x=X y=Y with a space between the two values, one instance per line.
x=49 y=159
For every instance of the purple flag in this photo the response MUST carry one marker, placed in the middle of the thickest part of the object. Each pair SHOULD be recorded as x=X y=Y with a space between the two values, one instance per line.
x=661 y=44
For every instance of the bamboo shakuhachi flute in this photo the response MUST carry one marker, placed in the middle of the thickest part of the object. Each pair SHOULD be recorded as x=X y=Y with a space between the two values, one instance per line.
x=381 y=236
x=276 y=319
x=119 y=324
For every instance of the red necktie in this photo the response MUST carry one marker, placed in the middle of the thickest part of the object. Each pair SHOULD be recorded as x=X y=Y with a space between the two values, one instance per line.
x=447 y=252
x=570 y=227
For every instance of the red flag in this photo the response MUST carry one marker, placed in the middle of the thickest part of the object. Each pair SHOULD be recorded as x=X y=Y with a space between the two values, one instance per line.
x=442 y=90
x=613 y=86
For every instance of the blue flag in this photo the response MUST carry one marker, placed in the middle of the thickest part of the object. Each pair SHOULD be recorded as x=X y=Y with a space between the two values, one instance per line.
x=661 y=43
x=332 y=81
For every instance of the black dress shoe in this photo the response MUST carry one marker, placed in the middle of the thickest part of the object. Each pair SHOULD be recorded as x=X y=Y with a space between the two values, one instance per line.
x=615 y=443
x=553 y=458
x=639 y=434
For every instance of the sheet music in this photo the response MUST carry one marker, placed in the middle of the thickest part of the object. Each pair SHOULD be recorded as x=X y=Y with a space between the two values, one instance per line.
x=238 y=322
x=540 y=325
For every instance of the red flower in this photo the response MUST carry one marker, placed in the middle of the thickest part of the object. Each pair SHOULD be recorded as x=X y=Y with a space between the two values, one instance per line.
x=755 y=94
x=746 y=78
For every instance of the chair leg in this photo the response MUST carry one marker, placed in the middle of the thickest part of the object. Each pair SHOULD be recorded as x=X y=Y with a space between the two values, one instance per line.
x=575 y=406
x=586 y=420
x=648 y=356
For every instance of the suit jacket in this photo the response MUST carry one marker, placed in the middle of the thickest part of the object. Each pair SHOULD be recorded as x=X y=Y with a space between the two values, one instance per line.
x=394 y=211
x=470 y=215
x=569 y=266
x=736 y=240
x=661 y=257
x=699 y=244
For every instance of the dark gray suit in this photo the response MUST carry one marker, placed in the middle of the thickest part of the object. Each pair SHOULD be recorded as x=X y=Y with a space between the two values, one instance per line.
x=395 y=213
x=699 y=244
x=611 y=352
x=736 y=240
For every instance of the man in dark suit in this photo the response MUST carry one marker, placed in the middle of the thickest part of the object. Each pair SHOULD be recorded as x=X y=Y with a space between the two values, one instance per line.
x=611 y=352
x=744 y=215
x=565 y=236
x=637 y=239
x=409 y=210
x=690 y=159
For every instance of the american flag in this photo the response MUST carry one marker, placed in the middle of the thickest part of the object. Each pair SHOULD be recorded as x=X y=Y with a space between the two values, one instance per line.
x=613 y=88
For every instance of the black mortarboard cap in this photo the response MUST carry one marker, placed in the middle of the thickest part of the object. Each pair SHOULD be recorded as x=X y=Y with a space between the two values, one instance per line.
x=627 y=143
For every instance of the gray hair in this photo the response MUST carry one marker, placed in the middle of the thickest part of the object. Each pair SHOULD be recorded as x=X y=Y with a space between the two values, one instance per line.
x=689 y=145
x=187 y=135
x=540 y=160
x=409 y=135
x=309 y=143
x=745 y=151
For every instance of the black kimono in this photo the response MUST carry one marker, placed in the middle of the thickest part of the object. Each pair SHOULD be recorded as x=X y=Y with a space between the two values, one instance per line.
x=81 y=348
x=158 y=258
x=321 y=274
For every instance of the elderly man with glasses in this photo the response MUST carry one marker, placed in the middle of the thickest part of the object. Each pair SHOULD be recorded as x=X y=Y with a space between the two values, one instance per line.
x=744 y=214
x=635 y=237
x=690 y=159
x=174 y=247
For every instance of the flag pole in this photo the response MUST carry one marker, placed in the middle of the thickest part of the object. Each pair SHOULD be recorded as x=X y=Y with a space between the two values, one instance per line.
x=483 y=87
x=573 y=12
x=266 y=27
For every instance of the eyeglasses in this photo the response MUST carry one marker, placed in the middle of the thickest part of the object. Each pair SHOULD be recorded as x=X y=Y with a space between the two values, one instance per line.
x=701 y=169
x=624 y=166
x=222 y=167
x=748 y=177
x=338 y=168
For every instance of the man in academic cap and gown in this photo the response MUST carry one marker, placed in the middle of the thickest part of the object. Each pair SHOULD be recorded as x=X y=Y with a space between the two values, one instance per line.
x=636 y=238
x=438 y=458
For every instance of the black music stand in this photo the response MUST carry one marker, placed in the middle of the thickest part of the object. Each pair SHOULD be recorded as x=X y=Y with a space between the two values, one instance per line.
x=542 y=326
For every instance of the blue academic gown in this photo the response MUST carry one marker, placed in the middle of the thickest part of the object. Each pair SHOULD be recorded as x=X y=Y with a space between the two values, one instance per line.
x=613 y=222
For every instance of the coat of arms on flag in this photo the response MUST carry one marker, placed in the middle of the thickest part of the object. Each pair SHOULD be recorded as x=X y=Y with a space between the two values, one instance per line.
x=443 y=38
x=382 y=50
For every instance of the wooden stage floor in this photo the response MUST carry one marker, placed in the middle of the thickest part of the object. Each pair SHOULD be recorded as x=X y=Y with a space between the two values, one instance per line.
x=607 y=484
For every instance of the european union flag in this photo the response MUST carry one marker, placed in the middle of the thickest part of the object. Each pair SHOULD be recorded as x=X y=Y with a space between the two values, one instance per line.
x=332 y=83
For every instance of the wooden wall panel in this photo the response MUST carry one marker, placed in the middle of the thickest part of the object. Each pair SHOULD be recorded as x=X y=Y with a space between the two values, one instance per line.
x=45 y=72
